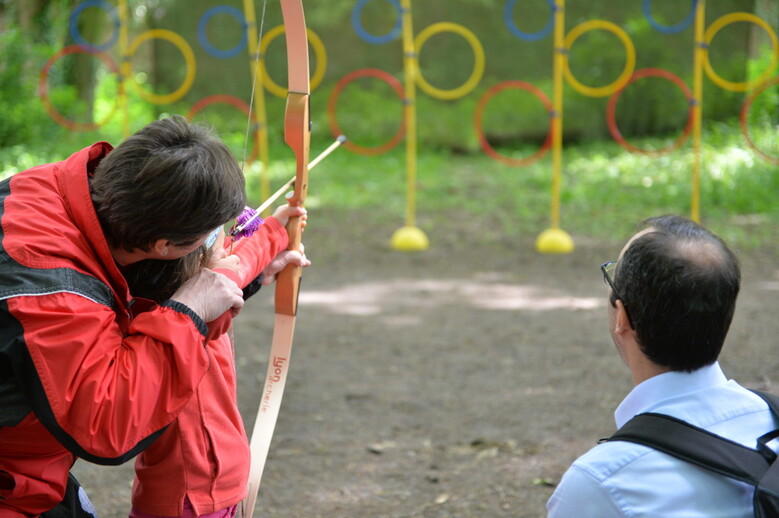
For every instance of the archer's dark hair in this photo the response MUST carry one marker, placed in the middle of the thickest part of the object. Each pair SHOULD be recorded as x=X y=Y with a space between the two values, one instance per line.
x=679 y=283
x=171 y=180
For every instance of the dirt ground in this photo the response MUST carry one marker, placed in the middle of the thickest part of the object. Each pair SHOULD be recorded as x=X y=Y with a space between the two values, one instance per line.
x=456 y=382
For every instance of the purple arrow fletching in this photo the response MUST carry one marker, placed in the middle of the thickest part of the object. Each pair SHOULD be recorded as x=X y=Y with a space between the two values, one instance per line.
x=245 y=216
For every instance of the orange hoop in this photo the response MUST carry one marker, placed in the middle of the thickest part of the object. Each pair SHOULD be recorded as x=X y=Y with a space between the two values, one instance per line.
x=224 y=99
x=745 y=111
x=333 y=101
x=612 y=108
x=478 y=116
x=44 y=94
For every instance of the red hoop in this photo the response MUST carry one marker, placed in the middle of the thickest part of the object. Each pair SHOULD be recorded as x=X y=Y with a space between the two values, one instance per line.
x=478 y=115
x=612 y=108
x=333 y=101
x=745 y=111
x=43 y=91
x=232 y=101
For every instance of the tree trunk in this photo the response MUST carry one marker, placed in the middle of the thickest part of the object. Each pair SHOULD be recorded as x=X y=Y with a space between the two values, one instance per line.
x=27 y=12
x=94 y=31
x=759 y=40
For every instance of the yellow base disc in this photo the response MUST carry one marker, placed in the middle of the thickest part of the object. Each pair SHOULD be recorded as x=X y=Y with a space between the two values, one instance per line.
x=409 y=239
x=554 y=241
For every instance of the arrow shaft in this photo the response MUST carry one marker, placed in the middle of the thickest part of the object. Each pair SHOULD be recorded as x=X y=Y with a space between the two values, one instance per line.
x=284 y=188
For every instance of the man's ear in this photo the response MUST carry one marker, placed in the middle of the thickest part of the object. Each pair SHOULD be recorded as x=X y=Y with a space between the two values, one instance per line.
x=621 y=322
x=161 y=247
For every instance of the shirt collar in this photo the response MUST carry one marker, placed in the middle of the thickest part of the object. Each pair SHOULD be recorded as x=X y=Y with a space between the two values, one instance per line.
x=648 y=393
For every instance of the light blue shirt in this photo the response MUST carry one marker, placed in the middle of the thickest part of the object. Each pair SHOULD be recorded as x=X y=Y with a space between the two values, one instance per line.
x=622 y=479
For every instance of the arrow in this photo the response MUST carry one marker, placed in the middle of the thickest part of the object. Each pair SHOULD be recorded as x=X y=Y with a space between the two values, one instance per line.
x=284 y=188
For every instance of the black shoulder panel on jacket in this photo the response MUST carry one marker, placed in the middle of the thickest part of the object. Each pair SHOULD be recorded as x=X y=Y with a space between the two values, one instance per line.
x=21 y=390
x=13 y=352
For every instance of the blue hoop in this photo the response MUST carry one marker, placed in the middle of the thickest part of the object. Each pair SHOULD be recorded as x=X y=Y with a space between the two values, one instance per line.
x=508 y=17
x=370 y=38
x=668 y=29
x=202 y=37
x=76 y=34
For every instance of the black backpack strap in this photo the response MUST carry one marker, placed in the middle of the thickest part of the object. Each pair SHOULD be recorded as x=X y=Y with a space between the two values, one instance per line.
x=771 y=399
x=770 y=482
x=76 y=503
x=763 y=440
x=695 y=445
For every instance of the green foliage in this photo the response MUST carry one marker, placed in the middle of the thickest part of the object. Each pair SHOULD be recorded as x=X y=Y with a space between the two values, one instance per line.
x=604 y=190
x=21 y=114
x=653 y=105
x=765 y=107
x=367 y=110
x=447 y=125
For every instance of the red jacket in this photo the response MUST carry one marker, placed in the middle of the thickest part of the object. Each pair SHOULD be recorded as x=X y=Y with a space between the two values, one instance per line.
x=204 y=454
x=80 y=374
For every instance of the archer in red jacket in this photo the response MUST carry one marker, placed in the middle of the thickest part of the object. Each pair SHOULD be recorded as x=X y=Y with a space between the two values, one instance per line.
x=81 y=373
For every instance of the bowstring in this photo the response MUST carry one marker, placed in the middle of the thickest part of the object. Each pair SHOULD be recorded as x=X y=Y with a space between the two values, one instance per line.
x=257 y=53
x=254 y=85
x=240 y=510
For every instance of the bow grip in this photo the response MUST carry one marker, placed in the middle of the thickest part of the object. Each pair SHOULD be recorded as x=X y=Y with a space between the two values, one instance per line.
x=297 y=136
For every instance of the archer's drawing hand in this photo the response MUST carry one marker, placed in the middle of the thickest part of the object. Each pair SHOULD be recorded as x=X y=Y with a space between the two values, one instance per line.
x=281 y=261
x=209 y=294
x=220 y=258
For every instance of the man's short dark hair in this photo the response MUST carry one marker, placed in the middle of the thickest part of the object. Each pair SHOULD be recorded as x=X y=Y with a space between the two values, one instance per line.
x=679 y=283
x=171 y=180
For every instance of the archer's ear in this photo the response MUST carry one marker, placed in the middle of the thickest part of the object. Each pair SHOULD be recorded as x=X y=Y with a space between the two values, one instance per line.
x=161 y=247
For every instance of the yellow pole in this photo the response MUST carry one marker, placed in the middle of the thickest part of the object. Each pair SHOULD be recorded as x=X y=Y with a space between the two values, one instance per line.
x=259 y=113
x=410 y=69
x=557 y=103
x=555 y=240
x=698 y=57
x=410 y=238
x=124 y=67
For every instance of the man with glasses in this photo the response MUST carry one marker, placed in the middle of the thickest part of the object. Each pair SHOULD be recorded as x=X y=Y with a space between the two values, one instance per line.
x=672 y=294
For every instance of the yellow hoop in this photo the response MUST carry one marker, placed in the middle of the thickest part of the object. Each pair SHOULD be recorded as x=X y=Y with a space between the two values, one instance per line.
x=189 y=58
x=714 y=28
x=630 y=58
x=319 y=51
x=478 y=65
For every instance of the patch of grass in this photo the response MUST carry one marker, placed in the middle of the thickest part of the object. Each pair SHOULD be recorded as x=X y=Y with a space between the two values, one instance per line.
x=605 y=190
